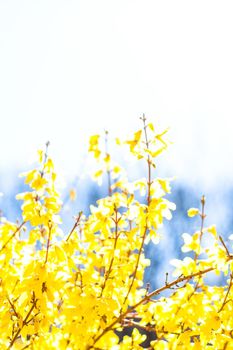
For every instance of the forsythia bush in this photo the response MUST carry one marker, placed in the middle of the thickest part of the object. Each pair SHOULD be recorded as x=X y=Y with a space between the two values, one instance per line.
x=76 y=290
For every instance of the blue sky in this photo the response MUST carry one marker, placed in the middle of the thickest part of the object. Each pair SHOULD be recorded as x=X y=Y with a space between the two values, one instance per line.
x=72 y=68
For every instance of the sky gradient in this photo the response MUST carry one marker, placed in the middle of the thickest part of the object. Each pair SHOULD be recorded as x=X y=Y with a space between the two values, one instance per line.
x=72 y=68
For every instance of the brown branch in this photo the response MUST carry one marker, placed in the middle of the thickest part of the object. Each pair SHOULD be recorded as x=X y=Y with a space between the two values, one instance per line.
x=225 y=247
x=147 y=298
x=32 y=318
x=148 y=328
x=148 y=161
x=13 y=307
x=130 y=323
x=171 y=284
x=24 y=322
x=16 y=283
x=108 y=171
x=148 y=203
x=48 y=241
x=12 y=236
x=45 y=158
x=227 y=293
x=79 y=273
x=203 y=216
x=116 y=220
x=136 y=266
x=75 y=225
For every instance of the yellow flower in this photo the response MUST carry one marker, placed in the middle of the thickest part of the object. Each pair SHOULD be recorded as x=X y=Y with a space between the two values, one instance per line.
x=193 y=212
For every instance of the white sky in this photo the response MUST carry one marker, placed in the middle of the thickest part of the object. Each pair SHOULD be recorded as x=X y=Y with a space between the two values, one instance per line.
x=72 y=68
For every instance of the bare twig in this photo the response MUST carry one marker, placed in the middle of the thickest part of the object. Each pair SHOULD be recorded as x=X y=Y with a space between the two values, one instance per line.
x=75 y=225
x=108 y=171
x=48 y=241
x=45 y=158
x=227 y=293
x=148 y=203
x=12 y=236
x=25 y=322
x=225 y=247
x=147 y=298
x=203 y=216
x=13 y=307
x=116 y=220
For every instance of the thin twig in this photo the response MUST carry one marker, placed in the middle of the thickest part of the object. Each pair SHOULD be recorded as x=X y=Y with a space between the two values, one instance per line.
x=13 y=307
x=203 y=216
x=108 y=171
x=148 y=328
x=225 y=247
x=227 y=293
x=48 y=241
x=75 y=225
x=24 y=322
x=147 y=298
x=45 y=158
x=148 y=203
x=116 y=220
x=12 y=236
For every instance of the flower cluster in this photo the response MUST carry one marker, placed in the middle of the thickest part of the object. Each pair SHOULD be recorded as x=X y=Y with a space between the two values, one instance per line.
x=78 y=290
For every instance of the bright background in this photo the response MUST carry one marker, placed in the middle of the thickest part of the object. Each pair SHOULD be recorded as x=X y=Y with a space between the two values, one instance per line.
x=72 y=68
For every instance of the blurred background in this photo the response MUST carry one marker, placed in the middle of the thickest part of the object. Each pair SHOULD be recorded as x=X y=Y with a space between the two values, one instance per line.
x=69 y=69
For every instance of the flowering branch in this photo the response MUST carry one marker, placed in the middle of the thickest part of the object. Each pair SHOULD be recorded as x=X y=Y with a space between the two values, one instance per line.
x=12 y=236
